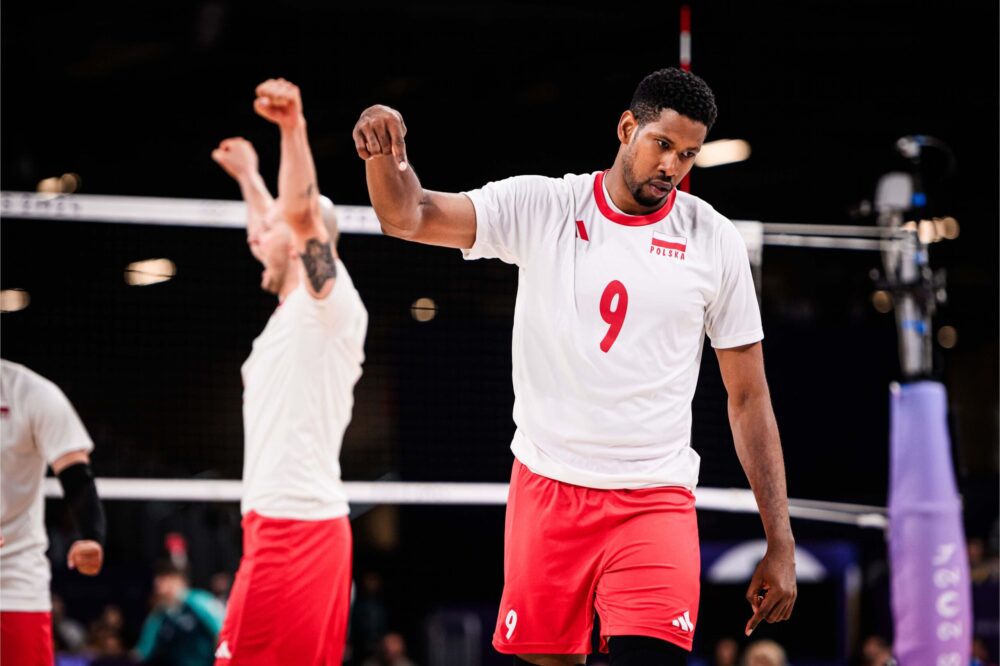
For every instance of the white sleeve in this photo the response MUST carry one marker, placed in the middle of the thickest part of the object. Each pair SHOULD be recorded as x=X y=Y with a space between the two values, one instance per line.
x=513 y=216
x=55 y=425
x=732 y=318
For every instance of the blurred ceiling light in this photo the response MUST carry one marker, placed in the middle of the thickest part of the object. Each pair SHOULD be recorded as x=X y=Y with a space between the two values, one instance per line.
x=49 y=186
x=947 y=227
x=947 y=337
x=882 y=300
x=12 y=300
x=723 y=151
x=423 y=309
x=70 y=182
x=64 y=184
x=934 y=230
x=927 y=233
x=150 y=271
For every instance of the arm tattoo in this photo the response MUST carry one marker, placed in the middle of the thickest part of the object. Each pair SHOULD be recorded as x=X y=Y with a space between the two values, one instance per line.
x=319 y=263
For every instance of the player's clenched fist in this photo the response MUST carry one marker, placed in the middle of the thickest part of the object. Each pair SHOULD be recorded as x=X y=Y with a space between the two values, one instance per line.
x=380 y=131
x=237 y=156
x=86 y=557
x=280 y=102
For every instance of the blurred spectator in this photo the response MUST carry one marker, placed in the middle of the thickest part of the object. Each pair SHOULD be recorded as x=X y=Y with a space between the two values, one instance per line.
x=112 y=619
x=727 y=652
x=220 y=584
x=177 y=549
x=111 y=652
x=981 y=654
x=105 y=637
x=369 y=621
x=982 y=568
x=875 y=651
x=183 y=627
x=984 y=571
x=68 y=634
x=391 y=652
x=765 y=653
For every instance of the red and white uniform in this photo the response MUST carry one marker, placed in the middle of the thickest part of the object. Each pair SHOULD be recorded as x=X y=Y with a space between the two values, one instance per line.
x=611 y=315
x=298 y=393
x=38 y=425
x=291 y=595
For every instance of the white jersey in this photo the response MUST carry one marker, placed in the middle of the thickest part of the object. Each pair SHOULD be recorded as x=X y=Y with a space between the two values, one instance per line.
x=38 y=425
x=298 y=392
x=611 y=315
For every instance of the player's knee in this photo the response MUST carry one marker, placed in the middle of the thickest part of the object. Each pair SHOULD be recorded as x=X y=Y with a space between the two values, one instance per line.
x=549 y=660
x=645 y=651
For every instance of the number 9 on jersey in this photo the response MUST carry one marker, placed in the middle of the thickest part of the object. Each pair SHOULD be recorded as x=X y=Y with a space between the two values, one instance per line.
x=613 y=311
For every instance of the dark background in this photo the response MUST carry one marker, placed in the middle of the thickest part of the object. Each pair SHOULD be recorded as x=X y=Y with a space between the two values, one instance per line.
x=133 y=97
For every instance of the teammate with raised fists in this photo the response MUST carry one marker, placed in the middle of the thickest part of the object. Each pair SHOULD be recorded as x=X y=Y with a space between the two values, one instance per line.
x=291 y=596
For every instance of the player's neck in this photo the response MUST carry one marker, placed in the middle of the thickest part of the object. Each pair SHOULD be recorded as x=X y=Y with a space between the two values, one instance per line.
x=290 y=283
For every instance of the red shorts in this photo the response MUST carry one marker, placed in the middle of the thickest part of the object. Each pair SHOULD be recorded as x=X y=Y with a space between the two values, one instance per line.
x=291 y=597
x=26 y=638
x=631 y=554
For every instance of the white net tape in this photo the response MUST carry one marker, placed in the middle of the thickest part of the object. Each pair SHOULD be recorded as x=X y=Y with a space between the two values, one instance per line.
x=732 y=500
x=206 y=213
x=157 y=211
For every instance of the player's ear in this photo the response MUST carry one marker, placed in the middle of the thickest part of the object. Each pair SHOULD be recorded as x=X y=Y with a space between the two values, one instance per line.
x=627 y=125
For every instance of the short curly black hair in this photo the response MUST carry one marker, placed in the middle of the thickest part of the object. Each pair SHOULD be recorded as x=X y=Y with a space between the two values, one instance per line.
x=672 y=88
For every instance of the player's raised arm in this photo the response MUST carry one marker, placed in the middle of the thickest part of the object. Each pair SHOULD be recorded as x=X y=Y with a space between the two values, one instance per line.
x=239 y=159
x=404 y=208
x=280 y=102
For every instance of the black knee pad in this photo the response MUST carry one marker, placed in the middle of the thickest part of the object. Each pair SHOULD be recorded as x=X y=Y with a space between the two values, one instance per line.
x=645 y=651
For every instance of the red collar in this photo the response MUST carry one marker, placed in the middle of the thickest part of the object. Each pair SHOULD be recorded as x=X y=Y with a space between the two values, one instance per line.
x=630 y=220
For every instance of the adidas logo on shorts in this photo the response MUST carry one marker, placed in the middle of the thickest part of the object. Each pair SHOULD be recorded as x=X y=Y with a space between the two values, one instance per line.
x=684 y=622
x=223 y=651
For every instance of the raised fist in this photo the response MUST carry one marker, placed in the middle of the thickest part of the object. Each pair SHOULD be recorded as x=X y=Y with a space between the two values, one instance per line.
x=280 y=102
x=236 y=156
x=380 y=131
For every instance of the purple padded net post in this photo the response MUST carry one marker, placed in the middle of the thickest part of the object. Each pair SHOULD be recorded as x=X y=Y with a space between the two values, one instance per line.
x=931 y=595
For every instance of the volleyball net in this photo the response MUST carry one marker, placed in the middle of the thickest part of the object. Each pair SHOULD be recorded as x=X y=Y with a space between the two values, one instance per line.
x=146 y=307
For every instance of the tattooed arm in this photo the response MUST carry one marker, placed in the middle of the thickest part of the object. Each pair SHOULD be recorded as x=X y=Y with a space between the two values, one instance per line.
x=280 y=102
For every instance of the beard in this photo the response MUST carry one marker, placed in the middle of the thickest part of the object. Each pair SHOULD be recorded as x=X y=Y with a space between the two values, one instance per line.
x=635 y=186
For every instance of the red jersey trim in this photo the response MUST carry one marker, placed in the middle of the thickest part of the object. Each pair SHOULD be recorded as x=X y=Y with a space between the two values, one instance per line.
x=629 y=220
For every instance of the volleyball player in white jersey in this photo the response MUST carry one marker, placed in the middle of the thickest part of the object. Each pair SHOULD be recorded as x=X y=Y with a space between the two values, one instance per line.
x=39 y=428
x=621 y=276
x=290 y=599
